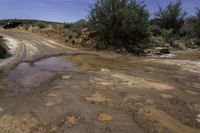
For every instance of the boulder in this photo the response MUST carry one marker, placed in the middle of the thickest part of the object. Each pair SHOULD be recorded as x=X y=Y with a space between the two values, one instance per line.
x=157 y=51
x=66 y=77
x=162 y=50
x=179 y=44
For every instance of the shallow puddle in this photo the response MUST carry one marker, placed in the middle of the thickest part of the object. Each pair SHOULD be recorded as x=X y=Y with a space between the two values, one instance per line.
x=31 y=75
x=96 y=63
x=55 y=64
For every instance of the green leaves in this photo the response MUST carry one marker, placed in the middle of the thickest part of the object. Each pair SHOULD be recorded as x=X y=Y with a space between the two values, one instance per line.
x=120 y=23
x=196 y=26
x=171 y=17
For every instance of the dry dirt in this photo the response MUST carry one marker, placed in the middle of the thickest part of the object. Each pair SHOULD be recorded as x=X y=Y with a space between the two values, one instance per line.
x=46 y=87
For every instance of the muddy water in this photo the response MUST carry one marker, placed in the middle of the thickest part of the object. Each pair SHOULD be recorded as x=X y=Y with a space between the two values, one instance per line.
x=54 y=64
x=125 y=92
x=31 y=75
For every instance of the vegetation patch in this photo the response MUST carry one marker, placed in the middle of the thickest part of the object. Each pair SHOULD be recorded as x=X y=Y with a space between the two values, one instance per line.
x=124 y=26
x=120 y=23
x=3 y=48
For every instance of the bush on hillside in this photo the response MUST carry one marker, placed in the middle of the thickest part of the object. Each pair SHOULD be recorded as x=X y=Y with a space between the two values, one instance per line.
x=171 y=17
x=196 y=26
x=155 y=30
x=3 y=48
x=41 y=25
x=79 y=26
x=67 y=25
x=186 y=30
x=120 y=23
x=167 y=34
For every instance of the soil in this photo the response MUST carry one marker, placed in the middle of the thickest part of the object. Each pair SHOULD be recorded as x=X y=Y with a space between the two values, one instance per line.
x=46 y=87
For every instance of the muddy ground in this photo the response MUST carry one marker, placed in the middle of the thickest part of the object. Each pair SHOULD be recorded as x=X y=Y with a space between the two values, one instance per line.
x=46 y=87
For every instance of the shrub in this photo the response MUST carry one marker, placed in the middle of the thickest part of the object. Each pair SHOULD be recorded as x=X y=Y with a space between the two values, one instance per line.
x=196 y=26
x=197 y=42
x=186 y=30
x=155 y=30
x=171 y=17
x=26 y=26
x=41 y=25
x=67 y=25
x=3 y=48
x=79 y=26
x=167 y=33
x=120 y=23
x=193 y=42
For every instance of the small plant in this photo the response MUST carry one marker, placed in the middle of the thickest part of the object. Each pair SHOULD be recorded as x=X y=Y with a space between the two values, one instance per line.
x=167 y=33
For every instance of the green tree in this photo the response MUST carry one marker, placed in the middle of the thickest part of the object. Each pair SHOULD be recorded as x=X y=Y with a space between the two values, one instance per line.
x=3 y=48
x=196 y=26
x=120 y=23
x=171 y=17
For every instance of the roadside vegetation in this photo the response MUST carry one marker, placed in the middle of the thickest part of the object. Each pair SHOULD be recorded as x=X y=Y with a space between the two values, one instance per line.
x=120 y=23
x=196 y=26
x=3 y=48
x=171 y=18
x=124 y=26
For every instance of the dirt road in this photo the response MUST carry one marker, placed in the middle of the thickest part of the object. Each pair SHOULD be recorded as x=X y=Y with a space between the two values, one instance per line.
x=46 y=87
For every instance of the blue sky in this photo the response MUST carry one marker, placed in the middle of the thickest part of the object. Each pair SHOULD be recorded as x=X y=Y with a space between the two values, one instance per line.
x=68 y=10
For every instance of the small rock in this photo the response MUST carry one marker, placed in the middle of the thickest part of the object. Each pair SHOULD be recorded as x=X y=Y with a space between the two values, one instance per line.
x=104 y=117
x=158 y=51
x=179 y=44
x=73 y=119
x=50 y=103
x=1 y=109
x=106 y=83
x=105 y=70
x=162 y=50
x=52 y=95
x=168 y=56
x=61 y=121
x=198 y=120
x=66 y=77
